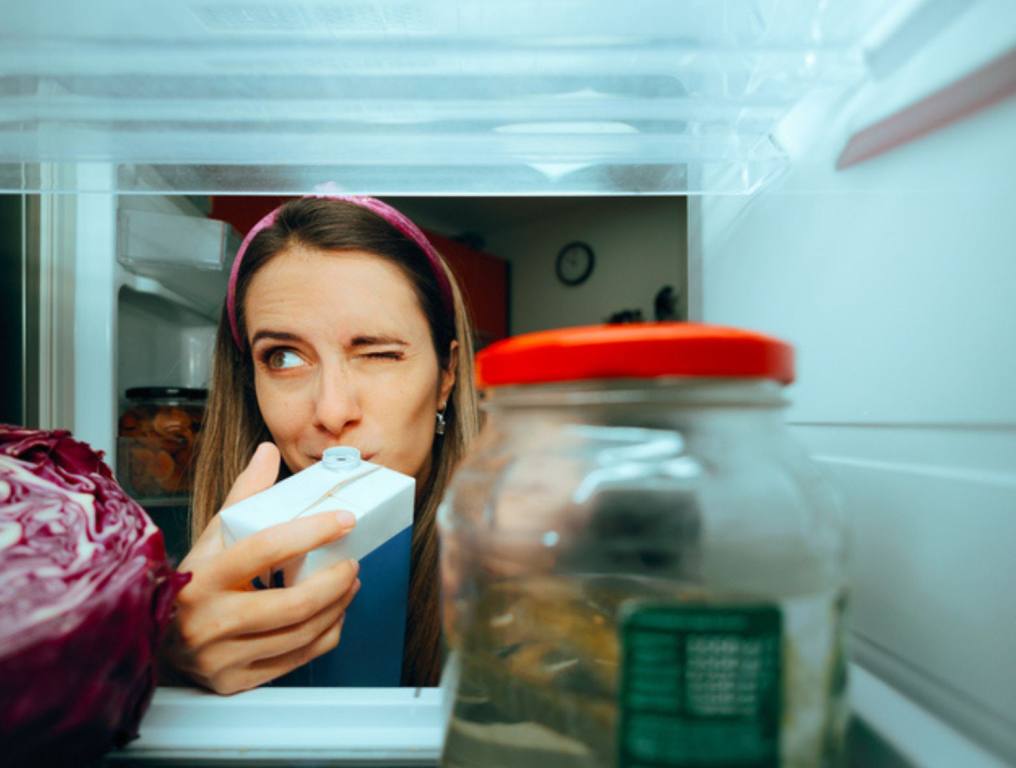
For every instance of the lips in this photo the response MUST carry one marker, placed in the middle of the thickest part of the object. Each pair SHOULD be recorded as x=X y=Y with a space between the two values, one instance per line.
x=365 y=456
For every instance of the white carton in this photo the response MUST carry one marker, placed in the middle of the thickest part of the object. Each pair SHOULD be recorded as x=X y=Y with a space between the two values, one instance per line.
x=380 y=498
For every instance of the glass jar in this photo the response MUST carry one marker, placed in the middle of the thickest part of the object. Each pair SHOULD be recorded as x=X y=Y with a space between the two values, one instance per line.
x=639 y=565
x=157 y=435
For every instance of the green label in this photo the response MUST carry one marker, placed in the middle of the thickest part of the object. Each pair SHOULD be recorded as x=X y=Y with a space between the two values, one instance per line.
x=700 y=686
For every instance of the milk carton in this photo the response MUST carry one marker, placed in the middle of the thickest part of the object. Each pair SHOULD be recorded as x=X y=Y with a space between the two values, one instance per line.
x=370 y=651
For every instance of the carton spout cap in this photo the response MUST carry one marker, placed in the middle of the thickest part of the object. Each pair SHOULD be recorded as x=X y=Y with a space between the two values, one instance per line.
x=341 y=458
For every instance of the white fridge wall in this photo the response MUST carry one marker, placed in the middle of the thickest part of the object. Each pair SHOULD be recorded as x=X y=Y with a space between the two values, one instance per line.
x=95 y=330
x=128 y=330
x=161 y=343
x=894 y=280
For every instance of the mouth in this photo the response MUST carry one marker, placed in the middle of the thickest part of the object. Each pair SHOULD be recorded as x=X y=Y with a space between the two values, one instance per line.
x=368 y=456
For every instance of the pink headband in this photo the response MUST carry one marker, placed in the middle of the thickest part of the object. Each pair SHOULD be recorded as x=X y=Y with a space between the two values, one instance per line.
x=385 y=211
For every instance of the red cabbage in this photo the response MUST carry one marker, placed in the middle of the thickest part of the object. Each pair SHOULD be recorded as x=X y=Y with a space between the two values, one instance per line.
x=86 y=593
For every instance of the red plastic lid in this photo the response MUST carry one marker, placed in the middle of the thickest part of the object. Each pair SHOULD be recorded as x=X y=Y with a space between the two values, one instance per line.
x=638 y=350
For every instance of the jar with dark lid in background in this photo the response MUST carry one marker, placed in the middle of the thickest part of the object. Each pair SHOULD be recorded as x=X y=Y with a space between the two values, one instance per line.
x=639 y=565
x=157 y=436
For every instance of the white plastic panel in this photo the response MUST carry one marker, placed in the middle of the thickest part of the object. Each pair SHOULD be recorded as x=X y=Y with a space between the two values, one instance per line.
x=171 y=285
x=421 y=96
x=150 y=238
x=918 y=738
x=892 y=279
x=161 y=344
x=95 y=327
x=291 y=726
x=933 y=518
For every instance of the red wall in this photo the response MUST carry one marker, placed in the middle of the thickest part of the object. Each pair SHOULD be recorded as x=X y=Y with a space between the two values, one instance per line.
x=484 y=281
x=243 y=212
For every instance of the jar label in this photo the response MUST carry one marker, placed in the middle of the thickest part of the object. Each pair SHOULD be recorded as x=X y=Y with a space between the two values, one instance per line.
x=700 y=686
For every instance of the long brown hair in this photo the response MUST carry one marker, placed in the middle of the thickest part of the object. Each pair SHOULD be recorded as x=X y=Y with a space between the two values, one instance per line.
x=233 y=426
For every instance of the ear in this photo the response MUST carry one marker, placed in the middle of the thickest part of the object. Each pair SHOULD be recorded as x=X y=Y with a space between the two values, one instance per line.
x=447 y=378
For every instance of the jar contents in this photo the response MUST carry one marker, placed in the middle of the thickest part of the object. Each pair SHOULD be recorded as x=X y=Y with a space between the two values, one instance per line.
x=157 y=437
x=577 y=670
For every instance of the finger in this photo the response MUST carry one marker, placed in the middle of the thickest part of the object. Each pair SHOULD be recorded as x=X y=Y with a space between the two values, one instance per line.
x=259 y=475
x=207 y=634
x=209 y=543
x=262 y=671
x=267 y=645
x=271 y=609
x=275 y=545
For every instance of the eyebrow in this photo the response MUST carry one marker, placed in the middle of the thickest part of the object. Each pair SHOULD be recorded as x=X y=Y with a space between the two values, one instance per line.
x=276 y=335
x=373 y=341
x=357 y=341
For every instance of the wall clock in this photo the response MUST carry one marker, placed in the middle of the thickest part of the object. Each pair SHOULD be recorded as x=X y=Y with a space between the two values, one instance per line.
x=574 y=263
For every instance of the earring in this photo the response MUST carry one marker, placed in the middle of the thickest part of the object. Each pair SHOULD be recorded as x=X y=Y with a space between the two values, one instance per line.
x=440 y=427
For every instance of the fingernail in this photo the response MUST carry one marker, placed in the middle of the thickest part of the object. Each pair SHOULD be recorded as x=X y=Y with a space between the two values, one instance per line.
x=356 y=566
x=346 y=519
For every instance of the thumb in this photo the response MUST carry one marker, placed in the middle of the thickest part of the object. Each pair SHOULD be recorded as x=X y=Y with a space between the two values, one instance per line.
x=259 y=474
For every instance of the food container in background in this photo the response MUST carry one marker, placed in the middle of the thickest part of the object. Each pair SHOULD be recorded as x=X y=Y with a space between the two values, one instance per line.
x=157 y=438
x=639 y=565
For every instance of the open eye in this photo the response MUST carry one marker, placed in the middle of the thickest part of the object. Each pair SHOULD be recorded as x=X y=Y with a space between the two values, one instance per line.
x=281 y=359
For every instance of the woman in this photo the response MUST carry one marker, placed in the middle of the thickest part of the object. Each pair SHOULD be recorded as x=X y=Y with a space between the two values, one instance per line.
x=342 y=326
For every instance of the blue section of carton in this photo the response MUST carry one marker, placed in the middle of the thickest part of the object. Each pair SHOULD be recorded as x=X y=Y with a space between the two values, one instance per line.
x=370 y=651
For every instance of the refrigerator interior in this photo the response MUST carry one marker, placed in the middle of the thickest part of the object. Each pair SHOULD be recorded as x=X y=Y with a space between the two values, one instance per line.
x=894 y=278
x=891 y=275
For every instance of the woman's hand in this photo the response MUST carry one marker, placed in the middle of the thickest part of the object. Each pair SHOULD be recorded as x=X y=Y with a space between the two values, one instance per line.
x=227 y=636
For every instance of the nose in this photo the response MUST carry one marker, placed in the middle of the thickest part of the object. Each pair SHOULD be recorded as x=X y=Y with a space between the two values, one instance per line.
x=337 y=403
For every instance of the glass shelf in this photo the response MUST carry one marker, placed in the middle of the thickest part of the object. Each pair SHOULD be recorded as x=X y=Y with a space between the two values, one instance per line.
x=403 y=97
x=183 y=260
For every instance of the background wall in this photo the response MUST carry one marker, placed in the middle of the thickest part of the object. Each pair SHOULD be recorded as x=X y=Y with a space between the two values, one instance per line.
x=639 y=245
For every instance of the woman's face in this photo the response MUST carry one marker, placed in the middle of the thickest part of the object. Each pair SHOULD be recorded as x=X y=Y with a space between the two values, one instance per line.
x=343 y=356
